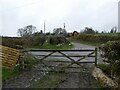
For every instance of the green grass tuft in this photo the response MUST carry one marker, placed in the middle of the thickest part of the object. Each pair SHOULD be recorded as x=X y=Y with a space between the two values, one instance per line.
x=49 y=46
x=9 y=73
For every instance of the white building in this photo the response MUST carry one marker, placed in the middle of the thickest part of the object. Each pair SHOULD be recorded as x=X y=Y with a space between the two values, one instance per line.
x=119 y=16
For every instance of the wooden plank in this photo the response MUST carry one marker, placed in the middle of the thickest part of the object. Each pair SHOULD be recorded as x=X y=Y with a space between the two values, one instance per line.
x=46 y=56
x=7 y=64
x=9 y=52
x=86 y=56
x=96 y=57
x=70 y=61
x=10 y=61
x=8 y=48
x=53 y=50
x=67 y=55
x=9 y=56
x=4 y=48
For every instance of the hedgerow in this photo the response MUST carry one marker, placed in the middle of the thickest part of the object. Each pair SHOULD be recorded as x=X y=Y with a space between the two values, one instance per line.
x=32 y=41
x=98 y=38
x=14 y=42
x=111 y=55
x=57 y=39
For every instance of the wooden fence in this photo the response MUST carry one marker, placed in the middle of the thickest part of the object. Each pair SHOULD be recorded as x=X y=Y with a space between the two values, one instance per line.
x=8 y=56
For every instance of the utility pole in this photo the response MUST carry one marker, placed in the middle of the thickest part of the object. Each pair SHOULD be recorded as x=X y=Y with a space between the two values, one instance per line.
x=64 y=25
x=44 y=27
x=119 y=16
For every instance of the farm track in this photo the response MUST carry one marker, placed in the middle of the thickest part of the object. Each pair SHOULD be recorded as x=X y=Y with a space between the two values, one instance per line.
x=71 y=80
x=81 y=79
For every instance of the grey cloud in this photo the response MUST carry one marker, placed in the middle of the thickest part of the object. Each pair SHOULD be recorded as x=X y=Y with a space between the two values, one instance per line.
x=99 y=14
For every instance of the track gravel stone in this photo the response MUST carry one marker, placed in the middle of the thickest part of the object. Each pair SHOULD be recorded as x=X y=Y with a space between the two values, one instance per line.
x=69 y=80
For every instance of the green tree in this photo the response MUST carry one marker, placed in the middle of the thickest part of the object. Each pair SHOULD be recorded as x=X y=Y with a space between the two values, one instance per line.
x=88 y=30
x=60 y=31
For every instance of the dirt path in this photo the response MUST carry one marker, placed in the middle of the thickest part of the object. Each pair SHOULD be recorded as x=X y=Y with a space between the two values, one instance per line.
x=71 y=80
x=78 y=80
x=81 y=79
x=82 y=46
x=26 y=79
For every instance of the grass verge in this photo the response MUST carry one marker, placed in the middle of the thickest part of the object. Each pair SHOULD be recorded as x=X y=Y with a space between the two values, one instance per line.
x=10 y=73
x=102 y=66
x=99 y=85
x=49 y=46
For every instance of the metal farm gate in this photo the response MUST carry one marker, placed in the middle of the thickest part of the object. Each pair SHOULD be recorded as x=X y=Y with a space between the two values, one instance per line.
x=74 y=60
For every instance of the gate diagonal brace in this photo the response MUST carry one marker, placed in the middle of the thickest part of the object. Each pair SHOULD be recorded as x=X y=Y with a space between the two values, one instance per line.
x=86 y=56
x=41 y=60
x=67 y=56
x=47 y=56
x=44 y=56
x=78 y=63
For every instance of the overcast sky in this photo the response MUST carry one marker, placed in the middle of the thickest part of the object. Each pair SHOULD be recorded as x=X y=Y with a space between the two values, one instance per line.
x=101 y=15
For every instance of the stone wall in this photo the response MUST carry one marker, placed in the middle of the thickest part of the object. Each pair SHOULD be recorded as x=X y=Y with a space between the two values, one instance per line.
x=99 y=75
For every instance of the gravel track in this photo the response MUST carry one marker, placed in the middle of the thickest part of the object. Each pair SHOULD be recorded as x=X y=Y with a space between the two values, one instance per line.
x=71 y=80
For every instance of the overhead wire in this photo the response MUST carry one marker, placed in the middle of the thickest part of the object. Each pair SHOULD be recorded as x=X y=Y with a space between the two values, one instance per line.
x=21 y=6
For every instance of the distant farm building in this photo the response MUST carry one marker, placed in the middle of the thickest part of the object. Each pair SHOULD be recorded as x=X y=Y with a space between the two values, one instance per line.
x=75 y=33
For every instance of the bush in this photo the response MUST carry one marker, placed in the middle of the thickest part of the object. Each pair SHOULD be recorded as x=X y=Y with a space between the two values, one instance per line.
x=39 y=40
x=55 y=40
x=112 y=51
x=28 y=60
x=111 y=54
x=12 y=41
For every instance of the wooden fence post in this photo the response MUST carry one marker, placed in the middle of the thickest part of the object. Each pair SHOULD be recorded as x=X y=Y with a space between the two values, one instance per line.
x=96 y=57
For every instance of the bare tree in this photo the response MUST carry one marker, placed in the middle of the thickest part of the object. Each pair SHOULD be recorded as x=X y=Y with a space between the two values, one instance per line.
x=26 y=31
x=20 y=32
